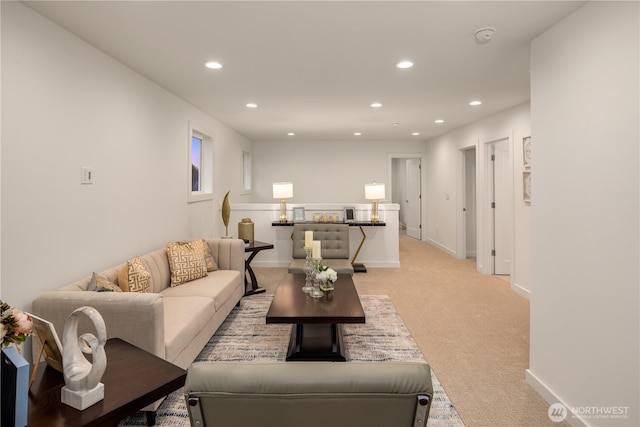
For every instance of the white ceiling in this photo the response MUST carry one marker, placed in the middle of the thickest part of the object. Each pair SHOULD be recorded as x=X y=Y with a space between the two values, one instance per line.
x=314 y=67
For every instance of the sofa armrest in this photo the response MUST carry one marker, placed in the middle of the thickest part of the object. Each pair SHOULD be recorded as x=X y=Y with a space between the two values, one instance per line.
x=228 y=253
x=137 y=318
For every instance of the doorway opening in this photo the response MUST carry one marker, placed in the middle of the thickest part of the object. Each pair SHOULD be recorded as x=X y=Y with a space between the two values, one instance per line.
x=467 y=209
x=406 y=190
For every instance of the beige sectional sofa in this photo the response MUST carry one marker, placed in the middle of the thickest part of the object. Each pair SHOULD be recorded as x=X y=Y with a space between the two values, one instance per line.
x=174 y=323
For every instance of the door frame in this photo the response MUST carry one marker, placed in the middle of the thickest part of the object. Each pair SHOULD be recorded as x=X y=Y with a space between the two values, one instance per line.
x=423 y=185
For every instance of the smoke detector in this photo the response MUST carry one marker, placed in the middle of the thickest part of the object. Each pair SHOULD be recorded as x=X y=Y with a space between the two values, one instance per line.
x=484 y=34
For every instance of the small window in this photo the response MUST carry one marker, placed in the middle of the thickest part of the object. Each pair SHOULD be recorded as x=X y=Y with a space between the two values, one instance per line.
x=196 y=163
x=246 y=172
x=200 y=164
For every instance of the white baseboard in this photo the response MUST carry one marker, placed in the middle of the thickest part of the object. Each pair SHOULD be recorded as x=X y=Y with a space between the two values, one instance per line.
x=520 y=290
x=382 y=264
x=548 y=395
x=444 y=248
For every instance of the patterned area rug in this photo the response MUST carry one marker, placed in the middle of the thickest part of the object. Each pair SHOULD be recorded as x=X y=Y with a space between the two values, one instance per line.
x=244 y=336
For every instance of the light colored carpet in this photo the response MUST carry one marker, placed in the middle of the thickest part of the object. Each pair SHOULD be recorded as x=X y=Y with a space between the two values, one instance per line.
x=472 y=328
x=244 y=336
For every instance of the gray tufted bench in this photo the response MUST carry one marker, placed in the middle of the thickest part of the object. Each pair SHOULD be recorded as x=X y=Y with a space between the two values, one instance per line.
x=334 y=240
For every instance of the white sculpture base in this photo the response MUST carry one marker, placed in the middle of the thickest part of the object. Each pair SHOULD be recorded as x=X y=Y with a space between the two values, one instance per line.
x=81 y=400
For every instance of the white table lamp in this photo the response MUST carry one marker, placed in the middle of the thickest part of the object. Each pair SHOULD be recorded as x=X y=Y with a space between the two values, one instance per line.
x=283 y=191
x=375 y=193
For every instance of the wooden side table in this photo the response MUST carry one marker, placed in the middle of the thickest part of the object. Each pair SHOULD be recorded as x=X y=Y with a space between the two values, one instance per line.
x=253 y=248
x=133 y=379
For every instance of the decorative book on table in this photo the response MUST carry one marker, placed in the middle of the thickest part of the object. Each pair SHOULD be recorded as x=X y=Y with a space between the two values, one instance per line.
x=15 y=388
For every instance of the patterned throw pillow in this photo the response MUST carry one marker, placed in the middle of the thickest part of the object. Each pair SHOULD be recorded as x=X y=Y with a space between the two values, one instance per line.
x=100 y=283
x=208 y=258
x=134 y=277
x=186 y=261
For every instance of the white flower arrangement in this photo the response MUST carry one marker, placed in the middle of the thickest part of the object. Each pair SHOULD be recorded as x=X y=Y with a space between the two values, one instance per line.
x=327 y=274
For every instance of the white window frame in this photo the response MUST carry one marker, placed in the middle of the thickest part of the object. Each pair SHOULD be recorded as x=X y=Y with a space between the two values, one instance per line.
x=246 y=172
x=206 y=161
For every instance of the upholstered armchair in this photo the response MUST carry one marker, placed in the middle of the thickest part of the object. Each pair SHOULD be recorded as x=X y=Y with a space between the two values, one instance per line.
x=334 y=240
x=310 y=394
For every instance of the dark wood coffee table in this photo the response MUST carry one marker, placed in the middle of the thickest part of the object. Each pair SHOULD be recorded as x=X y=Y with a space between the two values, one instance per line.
x=317 y=335
x=133 y=379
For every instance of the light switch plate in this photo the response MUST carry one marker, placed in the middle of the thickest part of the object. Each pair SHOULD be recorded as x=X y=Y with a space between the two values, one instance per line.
x=86 y=175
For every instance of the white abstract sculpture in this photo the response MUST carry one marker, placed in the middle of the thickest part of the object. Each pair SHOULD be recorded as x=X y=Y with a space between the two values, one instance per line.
x=82 y=378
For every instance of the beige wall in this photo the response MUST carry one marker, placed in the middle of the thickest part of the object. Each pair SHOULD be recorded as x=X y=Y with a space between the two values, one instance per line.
x=585 y=325
x=443 y=199
x=66 y=105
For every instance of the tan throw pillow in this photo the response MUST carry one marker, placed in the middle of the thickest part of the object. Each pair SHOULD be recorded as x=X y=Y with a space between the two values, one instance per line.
x=186 y=261
x=134 y=276
x=100 y=283
x=208 y=258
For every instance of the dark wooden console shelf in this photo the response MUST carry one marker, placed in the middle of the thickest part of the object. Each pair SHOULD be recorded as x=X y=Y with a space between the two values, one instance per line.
x=351 y=224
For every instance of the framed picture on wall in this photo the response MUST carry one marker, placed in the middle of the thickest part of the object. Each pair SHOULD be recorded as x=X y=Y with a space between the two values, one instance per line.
x=526 y=187
x=526 y=151
x=298 y=214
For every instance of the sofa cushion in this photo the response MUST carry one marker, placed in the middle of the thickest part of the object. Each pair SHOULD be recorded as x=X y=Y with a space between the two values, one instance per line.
x=184 y=318
x=218 y=285
x=134 y=276
x=186 y=261
x=101 y=283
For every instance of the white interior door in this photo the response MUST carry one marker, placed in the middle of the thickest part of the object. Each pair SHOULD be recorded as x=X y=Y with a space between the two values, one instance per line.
x=503 y=202
x=412 y=205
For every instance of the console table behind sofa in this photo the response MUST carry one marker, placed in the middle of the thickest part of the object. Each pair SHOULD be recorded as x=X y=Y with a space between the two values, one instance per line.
x=379 y=249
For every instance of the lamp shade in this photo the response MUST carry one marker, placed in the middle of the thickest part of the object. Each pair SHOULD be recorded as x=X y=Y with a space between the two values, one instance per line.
x=374 y=191
x=282 y=190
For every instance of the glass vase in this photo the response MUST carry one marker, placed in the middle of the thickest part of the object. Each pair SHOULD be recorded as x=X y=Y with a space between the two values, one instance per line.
x=308 y=272
x=316 y=292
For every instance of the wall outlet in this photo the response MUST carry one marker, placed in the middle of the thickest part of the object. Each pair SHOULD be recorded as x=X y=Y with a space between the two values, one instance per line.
x=86 y=175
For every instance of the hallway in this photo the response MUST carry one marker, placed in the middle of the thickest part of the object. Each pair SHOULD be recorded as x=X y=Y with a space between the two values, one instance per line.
x=472 y=329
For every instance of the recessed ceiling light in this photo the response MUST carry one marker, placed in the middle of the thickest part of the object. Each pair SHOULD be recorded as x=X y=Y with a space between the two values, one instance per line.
x=376 y=105
x=252 y=105
x=415 y=133
x=357 y=133
x=474 y=103
x=291 y=134
x=404 y=64
x=439 y=121
x=213 y=65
